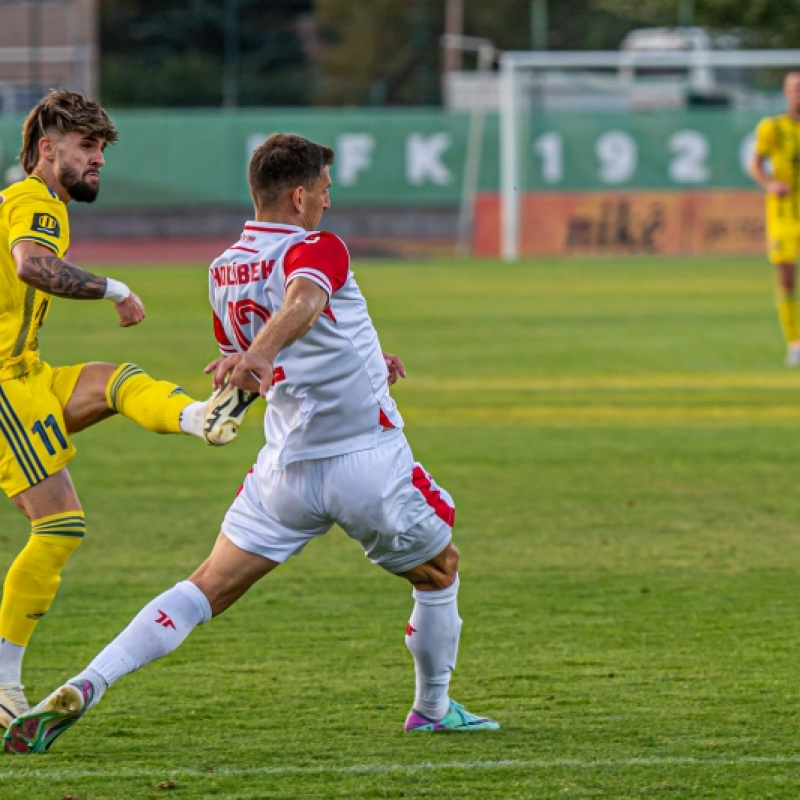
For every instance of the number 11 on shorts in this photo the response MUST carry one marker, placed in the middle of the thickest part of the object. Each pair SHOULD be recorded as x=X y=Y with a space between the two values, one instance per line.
x=39 y=429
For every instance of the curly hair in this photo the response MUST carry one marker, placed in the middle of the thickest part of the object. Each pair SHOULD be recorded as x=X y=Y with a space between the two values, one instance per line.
x=65 y=112
x=284 y=161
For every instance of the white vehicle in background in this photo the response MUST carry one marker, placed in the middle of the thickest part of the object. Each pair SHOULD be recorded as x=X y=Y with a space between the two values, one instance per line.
x=668 y=42
x=697 y=82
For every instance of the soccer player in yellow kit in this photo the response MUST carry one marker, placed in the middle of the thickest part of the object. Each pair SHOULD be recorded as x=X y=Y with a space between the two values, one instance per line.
x=64 y=138
x=778 y=142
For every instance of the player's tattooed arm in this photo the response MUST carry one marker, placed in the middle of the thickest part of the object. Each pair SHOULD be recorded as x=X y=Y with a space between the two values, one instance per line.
x=62 y=279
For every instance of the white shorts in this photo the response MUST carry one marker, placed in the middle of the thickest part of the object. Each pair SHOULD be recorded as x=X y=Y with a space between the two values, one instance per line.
x=381 y=497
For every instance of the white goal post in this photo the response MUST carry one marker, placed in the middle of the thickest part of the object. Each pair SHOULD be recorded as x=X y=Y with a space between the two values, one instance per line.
x=513 y=66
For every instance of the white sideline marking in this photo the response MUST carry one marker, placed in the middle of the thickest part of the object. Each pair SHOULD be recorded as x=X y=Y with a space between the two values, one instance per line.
x=425 y=766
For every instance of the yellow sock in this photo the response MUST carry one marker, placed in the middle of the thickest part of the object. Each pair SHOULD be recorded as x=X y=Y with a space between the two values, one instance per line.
x=33 y=579
x=155 y=405
x=789 y=315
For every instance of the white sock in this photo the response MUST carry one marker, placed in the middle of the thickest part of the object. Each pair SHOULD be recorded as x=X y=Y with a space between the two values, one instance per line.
x=193 y=418
x=97 y=681
x=432 y=637
x=157 y=630
x=10 y=662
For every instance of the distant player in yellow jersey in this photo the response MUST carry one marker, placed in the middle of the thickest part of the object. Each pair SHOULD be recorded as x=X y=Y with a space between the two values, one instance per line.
x=64 y=138
x=775 y=166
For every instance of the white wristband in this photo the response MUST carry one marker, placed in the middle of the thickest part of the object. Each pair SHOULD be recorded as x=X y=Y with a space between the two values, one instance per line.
x=116 y=290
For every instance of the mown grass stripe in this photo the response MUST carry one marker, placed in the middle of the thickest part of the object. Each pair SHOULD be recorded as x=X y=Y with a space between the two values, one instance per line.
x=590 y=415
x=425 y=766
x=599 y=382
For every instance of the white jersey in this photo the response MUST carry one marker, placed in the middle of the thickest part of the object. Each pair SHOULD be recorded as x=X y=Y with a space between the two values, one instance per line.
x=330 y=393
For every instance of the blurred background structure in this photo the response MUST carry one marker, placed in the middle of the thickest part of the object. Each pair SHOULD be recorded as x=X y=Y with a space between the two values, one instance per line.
x=640 y=150
x=46 y=43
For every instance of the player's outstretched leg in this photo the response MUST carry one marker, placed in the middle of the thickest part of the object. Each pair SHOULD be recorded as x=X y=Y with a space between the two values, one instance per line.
x=35 y=730
x=457 y=718
x=153 y=404
x=157 y=630
x=163 y=407
x=225 y=411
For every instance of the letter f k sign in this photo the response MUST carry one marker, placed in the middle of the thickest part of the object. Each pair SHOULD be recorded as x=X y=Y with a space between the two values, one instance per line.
x=164 y=620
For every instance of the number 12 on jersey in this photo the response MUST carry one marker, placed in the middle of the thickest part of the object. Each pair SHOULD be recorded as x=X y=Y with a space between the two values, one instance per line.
x=240 y=314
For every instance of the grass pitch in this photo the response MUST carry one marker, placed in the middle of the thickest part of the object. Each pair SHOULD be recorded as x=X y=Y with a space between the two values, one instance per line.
x=622 y=443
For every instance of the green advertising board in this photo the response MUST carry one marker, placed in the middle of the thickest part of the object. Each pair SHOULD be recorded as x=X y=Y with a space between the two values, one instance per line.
x=647 y=150
x=412 y=157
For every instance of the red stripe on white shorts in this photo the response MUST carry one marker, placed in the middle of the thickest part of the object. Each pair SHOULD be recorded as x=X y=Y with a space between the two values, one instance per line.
x=433 y=497
x=241 y=488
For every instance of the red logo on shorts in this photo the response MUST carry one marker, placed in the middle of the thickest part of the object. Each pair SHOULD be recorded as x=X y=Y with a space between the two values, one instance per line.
x=410 y=629
x=164 y=620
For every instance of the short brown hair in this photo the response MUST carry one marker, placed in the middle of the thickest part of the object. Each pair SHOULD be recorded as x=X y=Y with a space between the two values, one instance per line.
x=283 y=162
x=67 y=112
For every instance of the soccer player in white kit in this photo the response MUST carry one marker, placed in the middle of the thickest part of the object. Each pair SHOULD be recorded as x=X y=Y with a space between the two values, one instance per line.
x=292 y=324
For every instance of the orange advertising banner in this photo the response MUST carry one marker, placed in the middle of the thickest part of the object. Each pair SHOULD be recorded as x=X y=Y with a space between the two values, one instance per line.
x=635 y=223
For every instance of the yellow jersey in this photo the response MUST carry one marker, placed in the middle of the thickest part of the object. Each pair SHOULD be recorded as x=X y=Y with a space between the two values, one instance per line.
x=778 y=139
x=29 y=211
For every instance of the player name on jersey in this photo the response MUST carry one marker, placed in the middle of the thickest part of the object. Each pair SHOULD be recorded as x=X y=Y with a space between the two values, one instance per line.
x=238 y=274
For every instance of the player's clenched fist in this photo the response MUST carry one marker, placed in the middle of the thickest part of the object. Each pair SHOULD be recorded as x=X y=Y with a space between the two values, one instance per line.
x=130 y=310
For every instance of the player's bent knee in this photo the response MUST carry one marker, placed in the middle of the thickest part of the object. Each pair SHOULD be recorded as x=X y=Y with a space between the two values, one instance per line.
x=98 y=373
x=450 y=558
x=87 y=404
x=436 y=574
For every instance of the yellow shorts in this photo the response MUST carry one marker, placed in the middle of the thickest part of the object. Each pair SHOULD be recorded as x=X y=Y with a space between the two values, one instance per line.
x=33 y=435
x=783 y=242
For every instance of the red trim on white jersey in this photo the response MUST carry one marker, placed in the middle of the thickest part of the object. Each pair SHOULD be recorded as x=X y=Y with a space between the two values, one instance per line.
x=321 y=257
x=241 y=485
x=269 y=229
x=222 y=340
x=335 y=372
x=245 y=249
